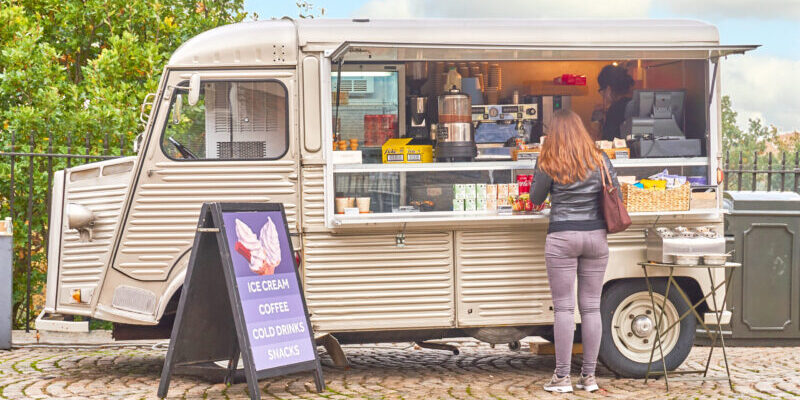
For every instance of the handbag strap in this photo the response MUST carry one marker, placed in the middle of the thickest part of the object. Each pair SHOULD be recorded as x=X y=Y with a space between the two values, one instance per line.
x=604 y=174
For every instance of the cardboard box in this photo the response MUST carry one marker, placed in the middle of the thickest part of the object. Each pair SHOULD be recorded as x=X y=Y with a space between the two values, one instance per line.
x=491 y=191
x=459 y=192
x=480 y=191
x=458 y=204
x=398 y=151
x=469 y=204
x=469 y=191
x=347 y=157
x=703 y=200
x=502 y=191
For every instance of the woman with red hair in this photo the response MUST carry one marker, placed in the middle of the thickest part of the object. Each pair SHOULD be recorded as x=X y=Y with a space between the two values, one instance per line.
x=569 y=169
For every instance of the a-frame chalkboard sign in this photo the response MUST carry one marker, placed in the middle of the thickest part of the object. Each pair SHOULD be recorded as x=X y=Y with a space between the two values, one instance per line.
x=242 y=295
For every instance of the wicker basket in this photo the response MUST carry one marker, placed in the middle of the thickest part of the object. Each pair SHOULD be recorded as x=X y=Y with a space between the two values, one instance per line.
x=675 y=199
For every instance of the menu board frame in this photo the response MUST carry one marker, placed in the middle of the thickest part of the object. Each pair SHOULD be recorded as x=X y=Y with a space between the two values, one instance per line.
x=210 y=325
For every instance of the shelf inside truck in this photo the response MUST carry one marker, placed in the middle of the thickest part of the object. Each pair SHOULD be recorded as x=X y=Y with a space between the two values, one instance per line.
x=509 y=165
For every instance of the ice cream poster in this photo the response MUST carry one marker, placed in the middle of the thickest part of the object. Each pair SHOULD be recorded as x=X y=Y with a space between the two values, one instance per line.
x=272 y=303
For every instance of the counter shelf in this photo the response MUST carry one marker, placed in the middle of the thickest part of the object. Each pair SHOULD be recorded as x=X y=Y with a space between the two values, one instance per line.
x=390 y=186
x=478 y=216
x=512 y=165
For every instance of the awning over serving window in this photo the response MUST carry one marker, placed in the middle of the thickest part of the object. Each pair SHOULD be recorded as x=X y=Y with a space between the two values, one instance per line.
x=365 y=51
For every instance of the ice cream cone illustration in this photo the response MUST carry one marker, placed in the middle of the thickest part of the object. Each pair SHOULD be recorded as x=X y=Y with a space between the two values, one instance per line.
x=262 y=253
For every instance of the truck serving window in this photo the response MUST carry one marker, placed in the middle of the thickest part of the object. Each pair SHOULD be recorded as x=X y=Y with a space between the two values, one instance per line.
x=231 y=121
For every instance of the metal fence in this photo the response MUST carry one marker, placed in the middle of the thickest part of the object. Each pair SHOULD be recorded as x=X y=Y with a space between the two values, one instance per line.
x=32 y=162
x=770 y=172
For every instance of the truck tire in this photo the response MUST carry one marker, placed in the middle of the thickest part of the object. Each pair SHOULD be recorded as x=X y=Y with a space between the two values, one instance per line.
x=629 y=328
x=576 y=337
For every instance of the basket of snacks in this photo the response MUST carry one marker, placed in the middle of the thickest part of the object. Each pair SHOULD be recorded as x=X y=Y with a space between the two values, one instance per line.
x=656 y=197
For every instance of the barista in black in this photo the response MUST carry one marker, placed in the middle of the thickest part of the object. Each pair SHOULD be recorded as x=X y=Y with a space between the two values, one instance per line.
x=615 y=87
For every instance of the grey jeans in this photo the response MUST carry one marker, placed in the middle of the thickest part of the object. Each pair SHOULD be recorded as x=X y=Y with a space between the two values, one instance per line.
x=584 y=254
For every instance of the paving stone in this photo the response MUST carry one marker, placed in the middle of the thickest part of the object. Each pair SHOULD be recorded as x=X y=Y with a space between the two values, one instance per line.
x=385 y=371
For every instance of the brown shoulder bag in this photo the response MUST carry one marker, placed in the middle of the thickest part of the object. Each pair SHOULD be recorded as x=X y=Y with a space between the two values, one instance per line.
x=617 y=218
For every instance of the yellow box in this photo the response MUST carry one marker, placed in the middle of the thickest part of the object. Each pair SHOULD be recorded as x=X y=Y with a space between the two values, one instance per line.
x=398 y=151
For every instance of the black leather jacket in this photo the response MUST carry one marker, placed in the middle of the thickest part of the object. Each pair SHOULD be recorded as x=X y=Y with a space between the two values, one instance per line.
x=574 y=206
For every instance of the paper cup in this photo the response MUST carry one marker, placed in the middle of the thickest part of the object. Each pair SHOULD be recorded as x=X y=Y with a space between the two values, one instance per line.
x=363 y=204
x=341 y=204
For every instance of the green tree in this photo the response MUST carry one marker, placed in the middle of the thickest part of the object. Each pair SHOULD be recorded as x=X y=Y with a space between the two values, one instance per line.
x=753 y=146
x=72 y=76
x=750 y=141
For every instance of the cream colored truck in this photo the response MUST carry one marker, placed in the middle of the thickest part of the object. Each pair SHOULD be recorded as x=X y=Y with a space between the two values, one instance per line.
x=244 y=113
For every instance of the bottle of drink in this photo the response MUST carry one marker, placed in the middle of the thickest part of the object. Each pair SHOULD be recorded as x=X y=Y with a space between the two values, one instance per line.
x=453 y=80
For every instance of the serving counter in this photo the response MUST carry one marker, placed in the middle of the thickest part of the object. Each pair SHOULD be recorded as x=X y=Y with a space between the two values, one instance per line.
x=423 y=194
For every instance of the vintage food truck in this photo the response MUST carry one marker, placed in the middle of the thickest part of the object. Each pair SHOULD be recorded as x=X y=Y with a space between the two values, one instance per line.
x=308 y=114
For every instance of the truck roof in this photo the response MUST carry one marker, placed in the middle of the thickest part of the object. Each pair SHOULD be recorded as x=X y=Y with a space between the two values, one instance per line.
x=275 y=41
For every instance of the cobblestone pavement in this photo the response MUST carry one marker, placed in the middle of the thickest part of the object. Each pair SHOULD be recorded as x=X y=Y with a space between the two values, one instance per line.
x=382 y=371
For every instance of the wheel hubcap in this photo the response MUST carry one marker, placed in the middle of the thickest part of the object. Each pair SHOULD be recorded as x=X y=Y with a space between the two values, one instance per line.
x=634 y=327
x=642 y=326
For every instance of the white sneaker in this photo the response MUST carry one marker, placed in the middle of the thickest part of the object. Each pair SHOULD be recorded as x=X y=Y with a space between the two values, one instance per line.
x=559 y=385
x=587 y=383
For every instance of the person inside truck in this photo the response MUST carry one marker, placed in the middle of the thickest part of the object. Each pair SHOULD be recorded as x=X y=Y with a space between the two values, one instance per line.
x=569 y=170
x=615 y=87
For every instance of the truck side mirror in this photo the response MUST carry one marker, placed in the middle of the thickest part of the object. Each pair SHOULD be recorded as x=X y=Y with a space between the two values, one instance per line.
x=176 y=109
x=194 y=89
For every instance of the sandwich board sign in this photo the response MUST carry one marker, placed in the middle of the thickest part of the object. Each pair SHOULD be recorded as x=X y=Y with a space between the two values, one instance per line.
x=242 y=296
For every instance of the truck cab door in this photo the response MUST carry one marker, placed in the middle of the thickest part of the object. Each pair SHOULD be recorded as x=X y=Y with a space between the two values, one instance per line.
x=236 y=143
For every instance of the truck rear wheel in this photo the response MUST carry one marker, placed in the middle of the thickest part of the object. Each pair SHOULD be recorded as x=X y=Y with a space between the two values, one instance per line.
x=629 y=328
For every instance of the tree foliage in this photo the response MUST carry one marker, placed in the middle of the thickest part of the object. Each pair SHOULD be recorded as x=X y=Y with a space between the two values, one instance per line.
x=72 y=77
x=756 y=147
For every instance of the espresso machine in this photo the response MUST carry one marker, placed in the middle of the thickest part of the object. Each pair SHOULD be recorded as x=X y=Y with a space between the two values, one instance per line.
x=418 y=123
x=498 y=126
x=455 y=140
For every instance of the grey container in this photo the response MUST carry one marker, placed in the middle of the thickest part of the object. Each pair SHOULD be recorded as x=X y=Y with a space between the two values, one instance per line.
x=763 y=229
x=6 y=295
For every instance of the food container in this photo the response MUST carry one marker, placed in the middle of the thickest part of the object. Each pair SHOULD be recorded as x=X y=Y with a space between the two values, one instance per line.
x=469 y=191
x=458 y=191
x=513 y=189
x=502 y=191
x=715 y=259
x=686 y=259
x=491 y=204
x=491 y=191
x=363 y=204
x=480 y=204
x=341 y=204
x=480 y=191
x=458 y=204
x=400 y=151
x=469 y=204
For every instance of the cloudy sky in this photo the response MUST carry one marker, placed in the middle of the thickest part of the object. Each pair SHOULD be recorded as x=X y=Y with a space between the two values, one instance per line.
x=762 y=84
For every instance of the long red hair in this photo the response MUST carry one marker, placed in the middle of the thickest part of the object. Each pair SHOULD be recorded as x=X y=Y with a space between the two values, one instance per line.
x=568 y=153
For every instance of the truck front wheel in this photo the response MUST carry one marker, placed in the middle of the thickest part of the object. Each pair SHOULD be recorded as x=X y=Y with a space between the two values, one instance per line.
x=629 y=328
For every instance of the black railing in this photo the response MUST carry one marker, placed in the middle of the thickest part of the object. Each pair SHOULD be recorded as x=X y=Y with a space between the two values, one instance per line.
x=770 y=172
x=26 y=197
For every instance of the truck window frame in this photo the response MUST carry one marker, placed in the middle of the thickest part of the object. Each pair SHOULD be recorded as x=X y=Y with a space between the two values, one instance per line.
x=185 y=83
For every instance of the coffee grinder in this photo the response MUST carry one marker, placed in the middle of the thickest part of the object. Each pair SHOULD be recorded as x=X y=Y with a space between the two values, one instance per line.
x=417 y=105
